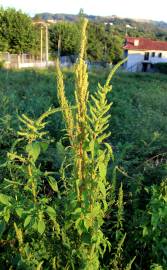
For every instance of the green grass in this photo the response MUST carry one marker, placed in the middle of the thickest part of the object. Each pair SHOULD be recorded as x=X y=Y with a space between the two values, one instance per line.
x=138 y=111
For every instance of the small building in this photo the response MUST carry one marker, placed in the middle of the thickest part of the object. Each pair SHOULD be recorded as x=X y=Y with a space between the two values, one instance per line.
x=108 y=23
x=143 y=53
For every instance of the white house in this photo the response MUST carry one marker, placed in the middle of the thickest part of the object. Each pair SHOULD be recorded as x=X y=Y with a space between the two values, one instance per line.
x=142 y=53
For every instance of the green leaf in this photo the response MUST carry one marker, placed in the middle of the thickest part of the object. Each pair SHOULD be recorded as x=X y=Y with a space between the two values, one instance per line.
x=35 y=225
x=53 y=184
x=39 y=267
x=41 y=226
x=86 y=224
x=102 y=188
x=44 y=146
x=4 y=199
x=19 y=211
x=145 y=231
x=33 y=150
x=79 y=226
x=60 y=152
x=102 y=170
x=6 y=214
x=110 y=150
x=77 y=211
x=51 y=212
x=2 y=227
x=27 y=221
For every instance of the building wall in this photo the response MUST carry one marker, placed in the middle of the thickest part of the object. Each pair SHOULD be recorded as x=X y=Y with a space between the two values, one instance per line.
x=136 y=58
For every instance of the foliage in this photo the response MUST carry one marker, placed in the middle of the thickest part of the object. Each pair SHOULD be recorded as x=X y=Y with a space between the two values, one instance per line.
x=25 y=207
x=105 y=34
x=86 y=195
x=151 y=29
x=66 y=208
x=102 y=44
x=154 y=228
x=68 y=36
x=138 y=126
x=17 y=33
x=161 y=67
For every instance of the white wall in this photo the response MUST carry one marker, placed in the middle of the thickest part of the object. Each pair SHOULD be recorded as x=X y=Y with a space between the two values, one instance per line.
x=35 y=64
x=135 y=59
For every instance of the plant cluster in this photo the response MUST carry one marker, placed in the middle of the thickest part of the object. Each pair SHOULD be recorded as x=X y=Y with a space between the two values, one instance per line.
x=41 y=210
x=17 y=33
x=53 y=214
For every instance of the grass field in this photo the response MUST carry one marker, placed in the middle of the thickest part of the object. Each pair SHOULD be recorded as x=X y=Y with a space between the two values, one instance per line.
x=138 y=135
x=138 y=111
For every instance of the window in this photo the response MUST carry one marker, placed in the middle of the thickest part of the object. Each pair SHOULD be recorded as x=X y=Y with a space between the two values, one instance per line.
x=146 y=56
x=160 y=55
x=153 y=54
x=136 y=42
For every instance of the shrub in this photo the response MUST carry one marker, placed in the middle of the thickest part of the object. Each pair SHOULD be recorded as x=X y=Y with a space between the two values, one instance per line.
x=161 y=67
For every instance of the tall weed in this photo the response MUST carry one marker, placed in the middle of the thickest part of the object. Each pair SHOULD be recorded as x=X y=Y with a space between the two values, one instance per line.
x=55 y=220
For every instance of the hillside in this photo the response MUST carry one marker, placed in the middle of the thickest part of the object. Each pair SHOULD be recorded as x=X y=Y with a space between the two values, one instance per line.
x=70 y=17
x=113 y=18
x=137 y=27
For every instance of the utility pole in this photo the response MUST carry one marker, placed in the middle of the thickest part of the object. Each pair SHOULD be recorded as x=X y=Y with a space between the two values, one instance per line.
x=47 y=45
x=42 y=25
x=41 y=44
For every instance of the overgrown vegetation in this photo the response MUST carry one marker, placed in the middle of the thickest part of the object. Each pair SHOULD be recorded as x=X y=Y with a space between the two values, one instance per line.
x=54 y=216
x=161 y=67
x=17 y=33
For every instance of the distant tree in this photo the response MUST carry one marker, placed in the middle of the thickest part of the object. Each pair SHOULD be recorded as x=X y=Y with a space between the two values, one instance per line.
x=68 y=34
x=96 y=41
x=37 y=18
x=113 y=45
x=81 y=13
x=103 y=44
x=17 y=34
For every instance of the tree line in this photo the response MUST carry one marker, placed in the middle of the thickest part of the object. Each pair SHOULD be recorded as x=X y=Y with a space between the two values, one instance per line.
x=19 y=34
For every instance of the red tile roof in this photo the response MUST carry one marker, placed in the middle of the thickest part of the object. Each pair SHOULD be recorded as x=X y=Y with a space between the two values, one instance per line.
x=145 y=44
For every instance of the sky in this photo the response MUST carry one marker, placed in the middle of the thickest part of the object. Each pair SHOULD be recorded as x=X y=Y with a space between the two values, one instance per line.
x=140 y=9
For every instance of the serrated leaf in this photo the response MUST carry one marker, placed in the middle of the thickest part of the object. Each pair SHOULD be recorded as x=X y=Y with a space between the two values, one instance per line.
x=27 y=221
x=53 y=184
x=19 y=211
x=102 y=188
x=6 y=214
x=79 y=226
x=41 y=226
x=51 y=212
x=145 y=231
x=110 y=150
x=102 y=170
x=39 y=266
x=4 y=199
x=35 y=225
x=60 y=152
x=33 y=150
x=77 y=211
x=86 y=224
